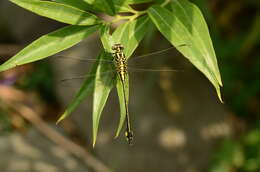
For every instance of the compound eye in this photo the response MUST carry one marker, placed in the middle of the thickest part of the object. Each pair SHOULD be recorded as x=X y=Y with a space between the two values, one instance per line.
x=114 y=47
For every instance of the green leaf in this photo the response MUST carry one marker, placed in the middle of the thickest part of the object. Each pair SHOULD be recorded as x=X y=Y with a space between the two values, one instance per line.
x=123 y=5
x=106 y=38
x=103 y=82
x=131 y=1
x=80 y=4
x=185 y=25
x=59 y=12
x=106 y=6
x=120 y=93
x=129 y=34
x=192 y=18
x=50 y=44
x=76 y=4
x=88 y=87
x=102 y=87
x=98 y=83
x=120 y=8
x=85 y=90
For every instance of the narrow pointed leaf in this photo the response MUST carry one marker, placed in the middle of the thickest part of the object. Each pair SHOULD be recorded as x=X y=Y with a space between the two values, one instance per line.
x=129 y=34
x=123 y=5
x=85 y=90
x=103 y=84
x=120 y=8
x=106 y=38
x=102 y=87
x=100 y=84
x=76 y=3
x=50 y=44
x=106 y=6
x=192 y=18
x=120 y=93
x=132 y=1
x=59 y=12
x=179 y=28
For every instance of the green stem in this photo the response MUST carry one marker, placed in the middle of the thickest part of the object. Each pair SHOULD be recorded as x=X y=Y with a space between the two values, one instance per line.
x=165 y=3
x=135 y=15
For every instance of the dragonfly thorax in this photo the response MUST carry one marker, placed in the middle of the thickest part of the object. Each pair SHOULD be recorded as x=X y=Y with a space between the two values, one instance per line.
x=117 y=47
x=121 y=68
x=120 y=60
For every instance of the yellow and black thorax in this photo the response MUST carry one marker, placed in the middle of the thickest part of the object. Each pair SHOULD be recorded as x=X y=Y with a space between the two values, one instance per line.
x=120 y=61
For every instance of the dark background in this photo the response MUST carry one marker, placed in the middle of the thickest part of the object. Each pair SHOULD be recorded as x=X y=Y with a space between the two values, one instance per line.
x=178 y=121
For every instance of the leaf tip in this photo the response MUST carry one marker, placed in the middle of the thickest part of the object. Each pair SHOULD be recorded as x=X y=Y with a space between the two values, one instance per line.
x=119 y=128
x=61 y=118
x=219 y=96
x=95 y=131
x=58 y=121
x=93 y=145
x=219 y=81
x=94 y=141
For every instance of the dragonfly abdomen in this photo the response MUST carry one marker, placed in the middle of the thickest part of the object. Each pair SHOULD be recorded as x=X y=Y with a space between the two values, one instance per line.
x=122 y=70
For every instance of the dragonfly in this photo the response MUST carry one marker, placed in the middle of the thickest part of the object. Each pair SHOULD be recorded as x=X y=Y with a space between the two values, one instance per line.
x=120 y=65
x=121 y=69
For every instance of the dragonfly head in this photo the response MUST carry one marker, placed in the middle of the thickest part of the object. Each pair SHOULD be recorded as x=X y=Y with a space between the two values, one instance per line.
x=117 y=48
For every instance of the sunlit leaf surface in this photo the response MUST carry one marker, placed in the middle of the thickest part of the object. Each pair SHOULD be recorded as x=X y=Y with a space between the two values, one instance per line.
x=129 y=34
x=50 y=44
x=106 y=6
x=58 y=11
x=184 y=25
x=76 y=3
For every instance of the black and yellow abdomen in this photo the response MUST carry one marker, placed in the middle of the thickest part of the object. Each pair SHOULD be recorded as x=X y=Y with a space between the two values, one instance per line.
x=121 y=69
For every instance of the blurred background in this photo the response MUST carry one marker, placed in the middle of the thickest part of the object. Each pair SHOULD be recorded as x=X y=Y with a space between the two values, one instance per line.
x=179 y=123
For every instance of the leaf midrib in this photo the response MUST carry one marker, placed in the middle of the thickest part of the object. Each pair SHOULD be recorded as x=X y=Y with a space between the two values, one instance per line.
x=210 y=71
x=204 y=49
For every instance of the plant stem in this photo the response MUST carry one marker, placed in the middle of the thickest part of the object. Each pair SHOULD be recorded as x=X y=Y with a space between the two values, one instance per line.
x=165 y=3
x=135 y=15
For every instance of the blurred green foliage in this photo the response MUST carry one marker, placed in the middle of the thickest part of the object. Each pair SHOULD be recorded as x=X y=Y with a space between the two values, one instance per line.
x=235 y=30
x=239 y=155
x=41 y=81
x=5 y=124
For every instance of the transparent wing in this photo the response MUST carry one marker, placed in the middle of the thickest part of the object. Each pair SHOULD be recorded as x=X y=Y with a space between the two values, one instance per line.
x=67 y=81
x=72 y=70
x=84 y=76
x=154 y=53
x=87 y=60
x=132 y=69
x=135 y=65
